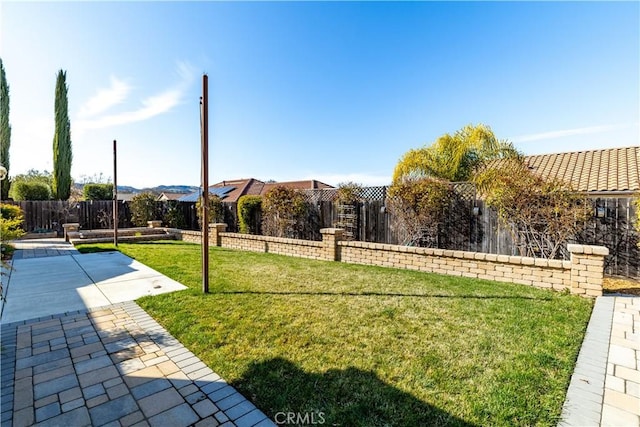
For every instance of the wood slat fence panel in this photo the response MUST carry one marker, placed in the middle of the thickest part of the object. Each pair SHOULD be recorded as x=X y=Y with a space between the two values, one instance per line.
x=374 y=223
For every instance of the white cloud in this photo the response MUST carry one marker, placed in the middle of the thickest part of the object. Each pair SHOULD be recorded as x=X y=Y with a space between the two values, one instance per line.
x=151 y=106
x=567 y=132
x=105 y=98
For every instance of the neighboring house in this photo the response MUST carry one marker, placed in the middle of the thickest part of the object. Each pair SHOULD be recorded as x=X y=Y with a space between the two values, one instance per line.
x=609 y=172
x=231 y=191
x=311 y=184
x=126 y=197
x=163 y=197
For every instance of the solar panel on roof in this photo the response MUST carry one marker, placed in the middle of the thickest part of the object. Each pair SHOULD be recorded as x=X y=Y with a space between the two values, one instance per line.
x=216 y=191
x=221 y=191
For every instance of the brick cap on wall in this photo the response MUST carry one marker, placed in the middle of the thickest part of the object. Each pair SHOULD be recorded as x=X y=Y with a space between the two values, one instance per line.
x=331 y=231
x=588 y=249
x=218 y=225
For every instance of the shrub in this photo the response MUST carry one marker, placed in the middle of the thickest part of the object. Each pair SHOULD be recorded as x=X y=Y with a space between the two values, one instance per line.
x=24 y=190
x=98 y=191
x=11 y=218
x=249 y=211
x=285 y=213
x=173 y=216
x=144 y=207
x=349 y=193
x=216 y=210
x=541 y=215
x=10 y=211
x=420 y=206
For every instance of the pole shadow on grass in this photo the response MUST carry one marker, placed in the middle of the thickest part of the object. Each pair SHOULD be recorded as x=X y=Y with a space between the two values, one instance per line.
x=380 y=294
x=350 y=397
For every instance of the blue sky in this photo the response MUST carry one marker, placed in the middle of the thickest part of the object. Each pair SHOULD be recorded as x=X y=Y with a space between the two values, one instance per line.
x=324 y=90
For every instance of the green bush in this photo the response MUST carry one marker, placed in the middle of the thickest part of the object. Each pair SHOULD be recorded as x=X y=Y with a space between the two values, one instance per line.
x=349 y=193
x=98 y=191
x=10 y=211
x=420 y=206
x=249 y=211
x=285 y=213
x=216 y=210
x=23 y=190
x=144 y=207
x=11 y=218
x=173 y=216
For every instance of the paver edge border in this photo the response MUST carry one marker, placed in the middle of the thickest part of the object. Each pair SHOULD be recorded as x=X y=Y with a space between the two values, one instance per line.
x=585 y=395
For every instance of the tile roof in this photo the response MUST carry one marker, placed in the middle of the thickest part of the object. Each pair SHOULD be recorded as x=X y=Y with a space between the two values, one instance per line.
x=593 y=171
x=310 y=184
x=251 y=186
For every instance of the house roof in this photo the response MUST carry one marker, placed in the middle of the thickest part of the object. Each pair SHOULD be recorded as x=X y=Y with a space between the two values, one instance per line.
x=231 y=191
x=595 y=171
x=126 y=197
x=310 y=184
x=170 y=196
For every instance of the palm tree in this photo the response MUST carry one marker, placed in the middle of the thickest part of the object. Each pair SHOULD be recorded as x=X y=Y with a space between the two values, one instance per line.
x=454 y=157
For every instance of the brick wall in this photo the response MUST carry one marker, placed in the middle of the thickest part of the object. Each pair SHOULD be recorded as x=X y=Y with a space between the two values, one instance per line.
x=249 y=242
x=186 y=235
x=274 y=245
x=582 y=275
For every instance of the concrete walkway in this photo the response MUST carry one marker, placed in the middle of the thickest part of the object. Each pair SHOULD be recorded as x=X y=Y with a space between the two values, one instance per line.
x=76 y=351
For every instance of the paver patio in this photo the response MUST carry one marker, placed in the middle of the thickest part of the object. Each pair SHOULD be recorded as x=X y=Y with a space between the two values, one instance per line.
x=111 y=366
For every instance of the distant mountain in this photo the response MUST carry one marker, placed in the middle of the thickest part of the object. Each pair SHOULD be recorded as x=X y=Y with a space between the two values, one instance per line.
x=182 y=189
x=127 y=189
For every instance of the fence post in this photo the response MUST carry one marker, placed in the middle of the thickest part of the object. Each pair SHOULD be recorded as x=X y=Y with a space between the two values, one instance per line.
x=215 y=231
x=587 y=269
x=330 y=239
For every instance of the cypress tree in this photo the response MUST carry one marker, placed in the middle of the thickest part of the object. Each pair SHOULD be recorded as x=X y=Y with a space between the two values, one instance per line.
x=62 y=155
x=5 y=131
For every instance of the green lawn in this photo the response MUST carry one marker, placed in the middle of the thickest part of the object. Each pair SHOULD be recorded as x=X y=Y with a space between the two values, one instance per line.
x=370 y=346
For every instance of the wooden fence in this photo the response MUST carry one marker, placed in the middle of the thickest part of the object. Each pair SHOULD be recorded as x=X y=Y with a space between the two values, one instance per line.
x=373 y=222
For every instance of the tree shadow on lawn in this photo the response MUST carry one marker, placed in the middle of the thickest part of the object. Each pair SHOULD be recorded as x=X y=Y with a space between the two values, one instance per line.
x=382 y=294
x=88 y=249
x=350 y=397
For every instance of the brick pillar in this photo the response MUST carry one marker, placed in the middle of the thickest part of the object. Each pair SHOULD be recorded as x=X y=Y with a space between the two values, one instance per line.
x=587 y=269
x=215 y=230
x=330 y=239
x=70 y=227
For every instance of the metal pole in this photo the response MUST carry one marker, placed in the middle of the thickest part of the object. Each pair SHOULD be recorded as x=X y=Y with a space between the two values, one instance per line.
x=115 y=195
x=204 y=119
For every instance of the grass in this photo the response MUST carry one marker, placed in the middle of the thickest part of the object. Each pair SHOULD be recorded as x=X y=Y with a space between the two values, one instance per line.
x=367 y=346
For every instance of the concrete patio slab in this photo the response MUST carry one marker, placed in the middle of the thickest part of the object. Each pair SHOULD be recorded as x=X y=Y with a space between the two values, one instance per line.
x=131 y=289
x=50 y=284
x=24 y=306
